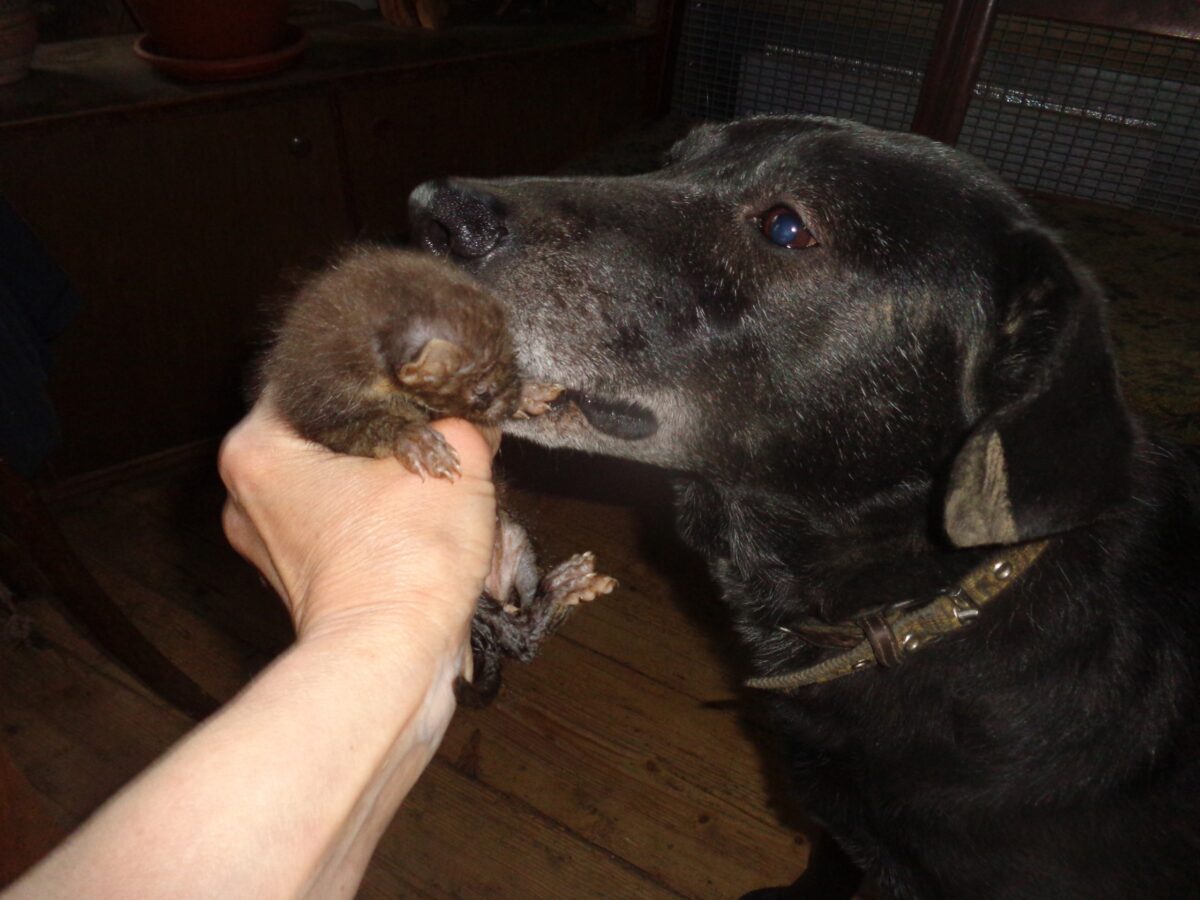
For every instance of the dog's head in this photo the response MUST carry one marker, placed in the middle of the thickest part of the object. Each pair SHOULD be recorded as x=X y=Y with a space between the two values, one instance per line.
x=815 y=306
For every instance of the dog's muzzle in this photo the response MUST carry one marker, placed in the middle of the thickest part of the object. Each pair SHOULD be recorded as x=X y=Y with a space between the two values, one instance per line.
x=453 y=219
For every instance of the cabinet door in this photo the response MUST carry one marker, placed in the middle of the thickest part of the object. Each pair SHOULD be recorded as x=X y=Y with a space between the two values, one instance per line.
x=174 y=226
x=523 y=114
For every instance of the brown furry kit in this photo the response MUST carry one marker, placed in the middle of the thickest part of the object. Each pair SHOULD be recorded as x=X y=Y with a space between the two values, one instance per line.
x=372 y=350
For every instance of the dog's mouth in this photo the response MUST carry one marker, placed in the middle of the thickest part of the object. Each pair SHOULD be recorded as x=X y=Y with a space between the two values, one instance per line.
x=622 y=419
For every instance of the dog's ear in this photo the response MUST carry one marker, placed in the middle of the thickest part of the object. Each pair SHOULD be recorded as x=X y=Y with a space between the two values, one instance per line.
x=1055 y=449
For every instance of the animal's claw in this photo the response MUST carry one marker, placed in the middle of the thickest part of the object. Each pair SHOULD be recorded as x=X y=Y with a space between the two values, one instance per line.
x=423 y=451
x=574 y=581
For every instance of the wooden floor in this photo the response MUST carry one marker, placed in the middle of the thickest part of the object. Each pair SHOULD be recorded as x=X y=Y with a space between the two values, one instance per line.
x=610 y=767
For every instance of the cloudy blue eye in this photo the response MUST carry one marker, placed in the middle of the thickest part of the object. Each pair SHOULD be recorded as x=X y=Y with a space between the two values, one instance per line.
x=784 y=227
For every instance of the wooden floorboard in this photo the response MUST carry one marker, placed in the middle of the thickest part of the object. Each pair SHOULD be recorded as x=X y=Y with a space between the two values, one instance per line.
x=612 y=766
x=77 y=726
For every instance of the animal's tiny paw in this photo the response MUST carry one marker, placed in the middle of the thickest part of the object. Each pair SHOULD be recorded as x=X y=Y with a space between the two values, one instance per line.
x=536 y=398
x=423 y=451
x=574 y=581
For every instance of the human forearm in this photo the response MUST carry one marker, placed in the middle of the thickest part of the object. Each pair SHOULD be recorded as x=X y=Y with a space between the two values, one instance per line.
x=315 y=755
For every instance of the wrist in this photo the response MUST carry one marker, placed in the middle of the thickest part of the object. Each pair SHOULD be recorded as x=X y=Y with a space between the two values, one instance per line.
x=382 y=615
x=404 y=676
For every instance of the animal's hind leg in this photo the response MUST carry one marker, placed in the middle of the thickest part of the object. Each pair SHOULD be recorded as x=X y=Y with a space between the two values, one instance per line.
x=518 y=611
x=565 y=587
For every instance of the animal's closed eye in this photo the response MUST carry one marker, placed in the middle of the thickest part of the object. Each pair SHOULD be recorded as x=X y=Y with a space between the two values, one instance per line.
x=482 y=396
x=783 y=226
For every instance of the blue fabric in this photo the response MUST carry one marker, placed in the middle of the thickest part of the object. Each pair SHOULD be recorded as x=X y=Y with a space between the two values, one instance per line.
x=36 y=303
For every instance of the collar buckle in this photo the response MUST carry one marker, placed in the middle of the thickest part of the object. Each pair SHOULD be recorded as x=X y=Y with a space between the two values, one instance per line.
x=964 y=608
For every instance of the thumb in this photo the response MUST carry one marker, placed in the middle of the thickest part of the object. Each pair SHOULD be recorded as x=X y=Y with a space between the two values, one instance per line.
x=475 y=446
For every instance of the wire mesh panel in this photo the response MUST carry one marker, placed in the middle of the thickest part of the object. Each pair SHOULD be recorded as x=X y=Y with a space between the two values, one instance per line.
x=1081 y=111
x=857 y=59
x=1088 y=112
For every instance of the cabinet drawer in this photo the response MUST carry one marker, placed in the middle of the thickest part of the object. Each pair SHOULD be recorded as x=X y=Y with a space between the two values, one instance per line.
x=173 y=226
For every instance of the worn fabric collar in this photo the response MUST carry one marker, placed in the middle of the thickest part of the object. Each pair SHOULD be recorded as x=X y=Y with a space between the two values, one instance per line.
x=884 y=636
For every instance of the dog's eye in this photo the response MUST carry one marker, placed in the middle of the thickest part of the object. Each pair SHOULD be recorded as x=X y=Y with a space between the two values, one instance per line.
x=784 y=227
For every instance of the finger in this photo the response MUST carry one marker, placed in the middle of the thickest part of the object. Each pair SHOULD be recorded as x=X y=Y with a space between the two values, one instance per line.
x=491 y=434
x=466 y=662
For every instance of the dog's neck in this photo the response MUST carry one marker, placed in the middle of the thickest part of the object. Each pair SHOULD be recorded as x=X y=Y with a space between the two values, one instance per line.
x=779 y=559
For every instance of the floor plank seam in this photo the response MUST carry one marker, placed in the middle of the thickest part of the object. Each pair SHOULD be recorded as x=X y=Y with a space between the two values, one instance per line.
x=700 y=701
x=762 y=816
x=106 y=670
x=523 y=804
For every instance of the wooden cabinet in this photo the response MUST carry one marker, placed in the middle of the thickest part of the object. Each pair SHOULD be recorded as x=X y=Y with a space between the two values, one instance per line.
x=174 y=226
x=175 y=209
x=487 y=117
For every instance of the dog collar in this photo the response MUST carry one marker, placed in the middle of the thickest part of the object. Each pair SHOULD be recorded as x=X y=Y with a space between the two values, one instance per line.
x=884 y=636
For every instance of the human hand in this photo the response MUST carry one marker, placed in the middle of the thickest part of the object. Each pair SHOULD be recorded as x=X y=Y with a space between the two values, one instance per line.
x=361 y=544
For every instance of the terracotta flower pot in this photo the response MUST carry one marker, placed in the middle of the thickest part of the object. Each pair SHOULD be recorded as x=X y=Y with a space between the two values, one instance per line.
x=18 y=37
x=213 y=29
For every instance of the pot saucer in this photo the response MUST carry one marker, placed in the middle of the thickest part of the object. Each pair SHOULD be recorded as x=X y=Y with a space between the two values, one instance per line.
x=294 y=41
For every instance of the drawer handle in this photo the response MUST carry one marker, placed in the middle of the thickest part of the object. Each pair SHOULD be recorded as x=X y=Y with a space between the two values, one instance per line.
x=300 y=147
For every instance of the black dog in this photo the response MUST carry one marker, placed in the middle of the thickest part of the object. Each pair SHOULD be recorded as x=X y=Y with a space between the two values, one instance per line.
x=968 y=584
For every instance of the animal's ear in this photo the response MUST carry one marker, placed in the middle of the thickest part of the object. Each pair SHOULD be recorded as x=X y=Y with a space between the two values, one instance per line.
x=436 y=361
x=1054 y=448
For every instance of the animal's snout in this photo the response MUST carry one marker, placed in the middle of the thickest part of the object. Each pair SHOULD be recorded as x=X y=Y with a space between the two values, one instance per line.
x=449 y=218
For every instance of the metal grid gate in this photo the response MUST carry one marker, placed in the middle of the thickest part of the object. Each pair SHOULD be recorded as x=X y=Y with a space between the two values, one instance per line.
x=1071 y=110
x=858 y=60
x=1090 y=112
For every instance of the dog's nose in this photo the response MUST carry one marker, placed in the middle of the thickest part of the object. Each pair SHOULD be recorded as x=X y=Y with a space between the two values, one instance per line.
x=450 y=218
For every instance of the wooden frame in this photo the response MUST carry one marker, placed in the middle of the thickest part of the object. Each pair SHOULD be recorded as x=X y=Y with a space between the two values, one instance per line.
x=966 y=26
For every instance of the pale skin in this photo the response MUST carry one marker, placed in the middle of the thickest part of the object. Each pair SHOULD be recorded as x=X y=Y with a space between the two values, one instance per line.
x=287 y=789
